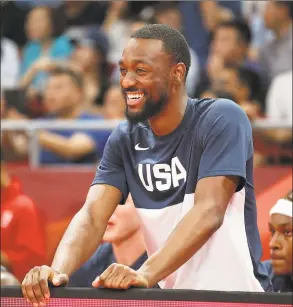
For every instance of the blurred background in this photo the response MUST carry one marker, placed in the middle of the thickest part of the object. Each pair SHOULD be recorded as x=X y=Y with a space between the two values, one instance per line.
x=60 y=99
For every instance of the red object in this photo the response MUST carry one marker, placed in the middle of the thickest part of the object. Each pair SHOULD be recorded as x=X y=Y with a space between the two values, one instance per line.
x=22 y=230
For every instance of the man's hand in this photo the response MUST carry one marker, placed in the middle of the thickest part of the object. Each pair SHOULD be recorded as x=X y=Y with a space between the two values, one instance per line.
x=118 y=276
x=35 y=284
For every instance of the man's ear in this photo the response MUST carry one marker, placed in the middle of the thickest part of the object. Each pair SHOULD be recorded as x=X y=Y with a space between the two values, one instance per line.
x=179 y=72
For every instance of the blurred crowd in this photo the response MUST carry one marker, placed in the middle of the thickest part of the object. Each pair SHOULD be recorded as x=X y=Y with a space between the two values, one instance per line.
x=59 y=61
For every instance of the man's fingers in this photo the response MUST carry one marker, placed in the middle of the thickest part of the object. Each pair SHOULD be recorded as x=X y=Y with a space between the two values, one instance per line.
x=58 y=279
x=23 y=288
x=127 y=282
x=37 y=287
x=43 y=280
x=96 y=283
x=28 y=288
x=107 y=272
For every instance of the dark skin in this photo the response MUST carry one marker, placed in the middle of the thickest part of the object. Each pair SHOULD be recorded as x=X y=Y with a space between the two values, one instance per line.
x=280 y=227
x=146 y=67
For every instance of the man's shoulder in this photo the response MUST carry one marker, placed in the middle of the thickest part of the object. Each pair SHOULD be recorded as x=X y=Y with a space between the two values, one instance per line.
x=218 y=107
x=125 y=129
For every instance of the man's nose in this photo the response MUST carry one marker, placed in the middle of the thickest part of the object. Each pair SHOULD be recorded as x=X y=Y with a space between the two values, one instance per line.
x=128 y=81
x=275 y=242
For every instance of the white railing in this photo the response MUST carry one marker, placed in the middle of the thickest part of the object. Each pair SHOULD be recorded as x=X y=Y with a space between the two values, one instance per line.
x=32 y=126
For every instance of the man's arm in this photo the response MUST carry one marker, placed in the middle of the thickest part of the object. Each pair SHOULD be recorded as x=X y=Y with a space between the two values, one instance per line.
x=86 y=230
x=212 y=197
x=79 y=242
x=74 y=147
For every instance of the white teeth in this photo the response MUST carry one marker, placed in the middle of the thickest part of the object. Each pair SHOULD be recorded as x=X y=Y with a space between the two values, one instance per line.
x=134 y=96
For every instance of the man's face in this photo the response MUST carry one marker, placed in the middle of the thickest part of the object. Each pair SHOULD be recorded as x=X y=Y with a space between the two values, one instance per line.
x=123 y=223
x=274 y=15
x=226 y=44
x=229 y=82
x=61 y=94
x=145 y=78
x=281 y=243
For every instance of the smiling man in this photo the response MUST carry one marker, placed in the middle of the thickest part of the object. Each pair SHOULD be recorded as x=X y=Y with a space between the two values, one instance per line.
x=188 y=165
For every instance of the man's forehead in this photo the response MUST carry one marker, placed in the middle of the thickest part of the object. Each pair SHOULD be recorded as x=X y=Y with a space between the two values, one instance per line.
x=146 y=49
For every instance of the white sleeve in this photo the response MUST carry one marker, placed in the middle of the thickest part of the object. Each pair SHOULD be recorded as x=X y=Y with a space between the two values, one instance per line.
x=10 y=64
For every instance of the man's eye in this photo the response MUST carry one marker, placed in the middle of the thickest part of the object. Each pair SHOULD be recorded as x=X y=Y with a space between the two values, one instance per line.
x=288 y=233
x=122 y=71
x=140 y=70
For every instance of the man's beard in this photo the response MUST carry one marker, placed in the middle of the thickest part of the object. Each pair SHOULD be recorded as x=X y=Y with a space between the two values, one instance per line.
x=150 y=109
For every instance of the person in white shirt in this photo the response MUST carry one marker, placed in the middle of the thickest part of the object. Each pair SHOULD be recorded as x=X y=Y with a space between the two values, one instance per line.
x=10 y=64
x=279 y=99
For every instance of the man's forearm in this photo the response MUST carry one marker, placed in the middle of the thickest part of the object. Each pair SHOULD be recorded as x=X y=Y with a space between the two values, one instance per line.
x=78 y=244
x=191 y=233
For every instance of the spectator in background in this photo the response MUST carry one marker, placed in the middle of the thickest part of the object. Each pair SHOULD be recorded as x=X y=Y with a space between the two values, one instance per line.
x=10 y=63
x=22 y=228
x=90 y=58
x=64 y=99
x=200 y=18
x=12 y=22
x=123 y=243
x=280 y=265
x=44 y=28
x=276 y=56
x=84 y=13
x=168 y=13
x=279 y=110
x=253 y=13
x=279 y=99
x=229 y=46
x=240 y=83
x=114 y=103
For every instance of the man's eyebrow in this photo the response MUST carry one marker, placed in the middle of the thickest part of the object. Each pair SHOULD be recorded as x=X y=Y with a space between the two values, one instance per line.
x=137 y=61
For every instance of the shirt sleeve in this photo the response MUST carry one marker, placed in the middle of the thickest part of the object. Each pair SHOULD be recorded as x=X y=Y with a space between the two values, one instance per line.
x=111 y=169
x=226 y=140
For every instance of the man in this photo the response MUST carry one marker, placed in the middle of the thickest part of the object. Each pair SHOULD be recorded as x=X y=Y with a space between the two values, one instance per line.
x=229 y=46
x=280 y=225
x=123 y=243
x=63 y=99
x=240 y=83
x=276 y=55
x=185 y=162
x=22 y=229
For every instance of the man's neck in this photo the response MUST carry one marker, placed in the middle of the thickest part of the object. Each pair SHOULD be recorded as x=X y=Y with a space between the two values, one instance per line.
x=171 y=116
x=283 y=30
x=128 y=251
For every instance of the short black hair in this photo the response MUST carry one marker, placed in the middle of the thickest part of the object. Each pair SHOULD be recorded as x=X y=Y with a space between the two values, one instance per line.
x=174 y=42
x=242 y=28
x=74 y=76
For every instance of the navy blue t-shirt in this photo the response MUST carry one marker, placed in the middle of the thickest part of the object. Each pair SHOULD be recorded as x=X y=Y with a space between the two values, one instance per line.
x=161 y=173
x=281 y=283
x=97 y=264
